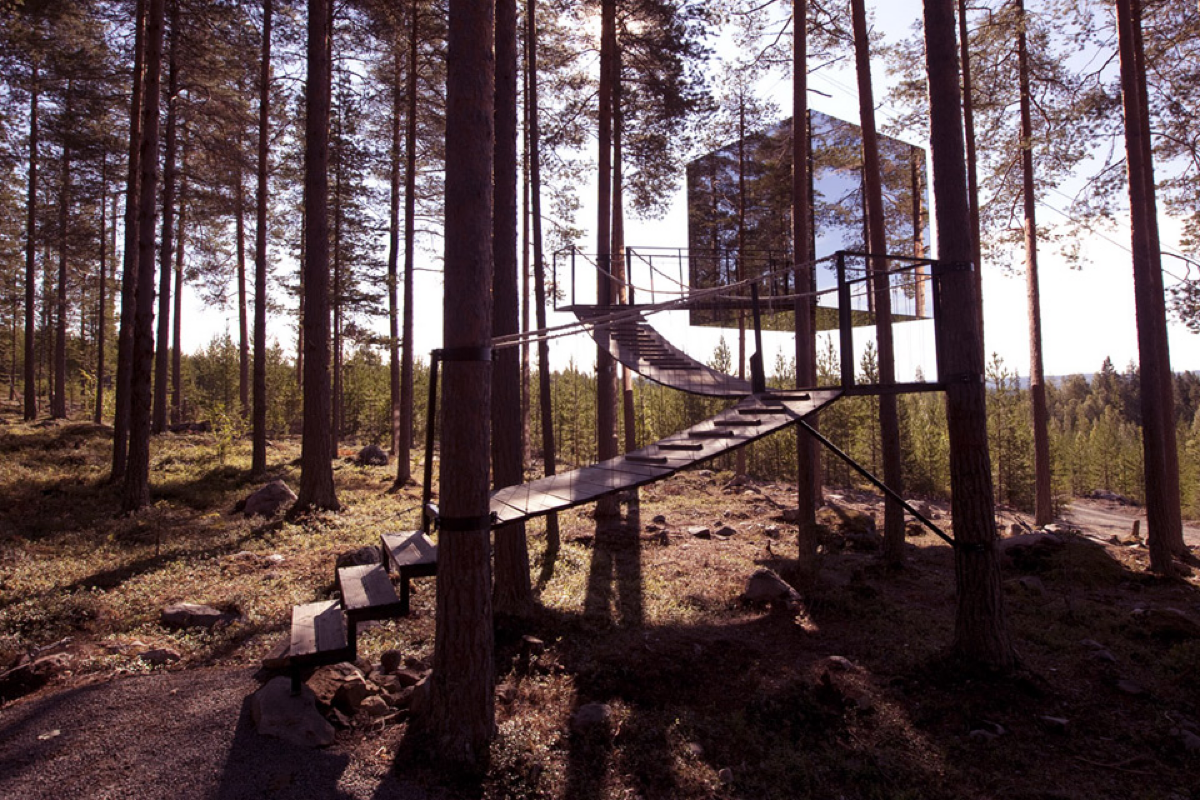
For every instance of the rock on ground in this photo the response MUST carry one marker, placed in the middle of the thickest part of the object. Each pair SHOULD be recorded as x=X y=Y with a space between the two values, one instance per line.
x=765 y=586
x=359 y=557
x=193 y=615
x=373 y=456
x=293 y=718
x=268 y=500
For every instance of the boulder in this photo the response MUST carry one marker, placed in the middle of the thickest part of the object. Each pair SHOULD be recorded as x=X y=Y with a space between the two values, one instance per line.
x=591 y=718
x=31 y=675
x=1030 y=551
x=407 y=677
x=390 y=661
x=1169 y=624
x=268 y=500
x=340 y=686
x=160 y=656
x=659 y=519
x=700 y=532
x=194 y=615
x=276 y=712
x=846 y=520
x=765 y=586
x=869 y=541
x=373 y=456
x=359 y=557
x=725 y=531
x=375 y=707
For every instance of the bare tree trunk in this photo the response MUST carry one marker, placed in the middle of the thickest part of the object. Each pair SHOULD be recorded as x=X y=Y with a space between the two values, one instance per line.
x=545 y=401
x=807 y=466
x=1166 y=378
x=1044 y=510
x=335 y=429
x=972 y=163
x=404 y=456
x=459 y=716
x=102 y=293
x=129 y=269
x=606 y=371
x=889 y=419
x=30 y=253
x=740 y=457
x=258 y=438
x=316 y=453
x=393 y=261
x=526 y=454
x=1162 y=491
x=137 y=475
x=239 y=227
x=177 y=317
x=58 y=400
x=158 y=422
x=981 y=628
x=513 y=594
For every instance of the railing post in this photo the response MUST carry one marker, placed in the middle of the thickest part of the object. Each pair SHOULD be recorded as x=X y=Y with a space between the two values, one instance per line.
x=629 y=273
x=758 y=377
x=844 y=323
x=936 y=271
x=430 y=419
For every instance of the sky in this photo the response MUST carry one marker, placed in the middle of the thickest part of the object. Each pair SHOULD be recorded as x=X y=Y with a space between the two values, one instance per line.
x=1087 y=312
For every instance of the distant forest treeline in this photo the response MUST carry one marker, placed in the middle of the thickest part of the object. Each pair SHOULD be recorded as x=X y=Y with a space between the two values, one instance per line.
x=1095 y=428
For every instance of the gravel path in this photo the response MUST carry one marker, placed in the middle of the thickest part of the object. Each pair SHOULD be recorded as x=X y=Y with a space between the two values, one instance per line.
x=177 y=735
x=1107 y=518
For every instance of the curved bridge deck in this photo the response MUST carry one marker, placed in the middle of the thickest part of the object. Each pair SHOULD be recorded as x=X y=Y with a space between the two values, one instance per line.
x=751 y=419
x=641 y=348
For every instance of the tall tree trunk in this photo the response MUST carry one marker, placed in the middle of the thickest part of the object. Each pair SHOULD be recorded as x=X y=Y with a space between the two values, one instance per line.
x=889 y=419
x=30 y=253
x=123 y=407
x=162 y=353
x=918 y=231
x=460 y=715
x=1162 y=489
x=1166 y=378
x=513 y=594
x=526 y=454
x=404 y=456
x=393 y=260
x=258 y=446
x=239 y=233
x=981 y=628
x=316 y=453
x=807 y=466
x=1044 y=511
x=177 y=316
x=137 y=475
x=618 y=246
x=335 y=429
x=545 y=401
x=740 y=457
x=102 y=293
x=606 y=371
x=972 y=164
x=58 y=400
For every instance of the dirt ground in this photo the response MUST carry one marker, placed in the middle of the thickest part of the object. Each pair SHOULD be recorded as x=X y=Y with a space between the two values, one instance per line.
x=854 y=698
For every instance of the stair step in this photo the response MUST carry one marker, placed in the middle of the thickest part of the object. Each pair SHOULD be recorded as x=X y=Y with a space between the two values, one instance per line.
x=413 y=555
x=367 y=593
x=741 y=423
x=319 y=634
x=679 y=446
x=712 y=434
x=637 y=459
x=755 y=412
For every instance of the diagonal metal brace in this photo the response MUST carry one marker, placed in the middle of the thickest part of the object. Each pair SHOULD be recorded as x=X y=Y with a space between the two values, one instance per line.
x=878 y=483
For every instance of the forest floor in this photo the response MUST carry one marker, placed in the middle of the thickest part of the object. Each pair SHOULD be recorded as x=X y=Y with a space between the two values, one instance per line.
x=709 y=697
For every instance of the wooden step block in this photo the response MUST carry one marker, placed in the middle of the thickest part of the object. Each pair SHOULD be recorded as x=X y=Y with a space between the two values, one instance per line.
x=319 y=634
x=712 y=434
x=413 y=555
x=679 y=446
x=367 y=593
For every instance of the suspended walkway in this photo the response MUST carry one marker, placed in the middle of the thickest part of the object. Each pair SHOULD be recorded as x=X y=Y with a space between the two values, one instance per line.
x=325 y=632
